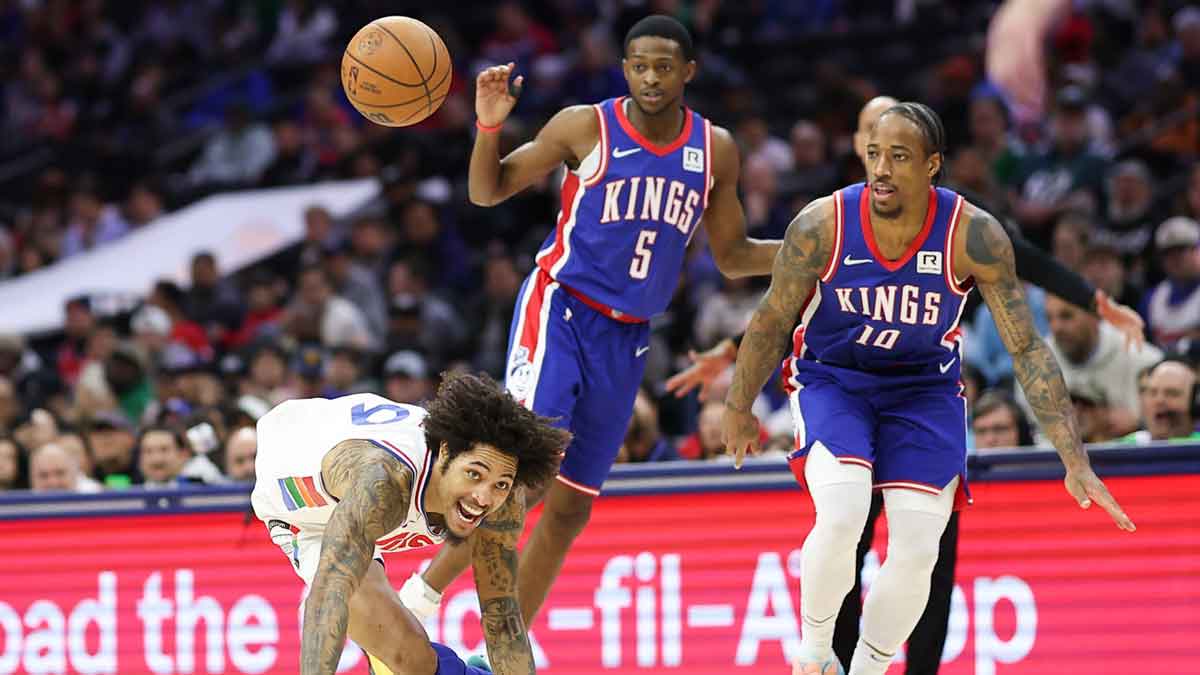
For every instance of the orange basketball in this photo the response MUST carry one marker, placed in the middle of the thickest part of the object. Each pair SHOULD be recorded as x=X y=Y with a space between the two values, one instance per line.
x=396 y=71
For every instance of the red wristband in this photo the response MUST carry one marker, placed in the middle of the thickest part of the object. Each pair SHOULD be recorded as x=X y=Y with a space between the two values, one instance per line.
x=487 y=130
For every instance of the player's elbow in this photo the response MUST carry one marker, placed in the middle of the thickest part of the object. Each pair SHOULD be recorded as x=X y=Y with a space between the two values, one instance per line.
x=729 y=262
x=480 y=197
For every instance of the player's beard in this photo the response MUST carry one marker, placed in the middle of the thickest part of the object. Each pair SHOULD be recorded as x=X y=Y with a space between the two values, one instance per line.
x=438 y=522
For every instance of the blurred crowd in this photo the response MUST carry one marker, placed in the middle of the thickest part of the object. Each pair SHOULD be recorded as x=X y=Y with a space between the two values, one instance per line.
x=115 y=113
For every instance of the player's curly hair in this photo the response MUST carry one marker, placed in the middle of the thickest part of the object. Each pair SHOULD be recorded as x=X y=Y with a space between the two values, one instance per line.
x=929 y=124
x=471 y=409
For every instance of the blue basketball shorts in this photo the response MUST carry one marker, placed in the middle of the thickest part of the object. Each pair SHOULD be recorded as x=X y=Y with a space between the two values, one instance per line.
x=910 y=432
x=568 y=359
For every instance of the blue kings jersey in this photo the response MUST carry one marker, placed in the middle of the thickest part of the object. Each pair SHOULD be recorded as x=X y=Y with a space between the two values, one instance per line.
x=628 y=213
x=890 y=318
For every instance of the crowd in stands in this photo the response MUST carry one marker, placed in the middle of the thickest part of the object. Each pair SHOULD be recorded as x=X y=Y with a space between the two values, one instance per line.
x=114 y=113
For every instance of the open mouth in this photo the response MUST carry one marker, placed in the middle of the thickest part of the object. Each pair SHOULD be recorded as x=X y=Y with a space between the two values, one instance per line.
x=882 y=190
x=652 y=96
x=468 y=514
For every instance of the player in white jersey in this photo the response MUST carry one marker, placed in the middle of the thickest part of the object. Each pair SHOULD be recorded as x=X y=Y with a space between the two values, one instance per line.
x=341 y=481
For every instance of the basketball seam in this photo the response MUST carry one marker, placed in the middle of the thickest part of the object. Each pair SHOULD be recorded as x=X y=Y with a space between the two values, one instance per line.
x=394 y=105
x=410 y=115
x=416 y=66
x=381 y=74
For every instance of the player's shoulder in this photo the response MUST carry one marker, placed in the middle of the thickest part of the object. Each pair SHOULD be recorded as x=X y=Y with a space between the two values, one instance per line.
x=820 y=213
x=812 y=234
x=574 y=119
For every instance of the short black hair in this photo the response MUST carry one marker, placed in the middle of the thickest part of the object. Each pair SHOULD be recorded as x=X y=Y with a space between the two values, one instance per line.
x=930 y=125
x=666 y=27
x=471 y=409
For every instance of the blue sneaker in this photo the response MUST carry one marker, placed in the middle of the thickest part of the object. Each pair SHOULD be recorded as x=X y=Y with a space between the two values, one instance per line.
x=480 y=662
x=807 y=664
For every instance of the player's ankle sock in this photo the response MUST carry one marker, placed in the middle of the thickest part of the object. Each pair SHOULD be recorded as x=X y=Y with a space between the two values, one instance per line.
x=817 y=640
x=420 y=598
x=869 y=660
x=450 y=664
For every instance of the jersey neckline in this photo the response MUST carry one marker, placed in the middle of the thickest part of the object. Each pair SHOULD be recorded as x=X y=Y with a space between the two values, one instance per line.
x=646 y=143
x=868 y=230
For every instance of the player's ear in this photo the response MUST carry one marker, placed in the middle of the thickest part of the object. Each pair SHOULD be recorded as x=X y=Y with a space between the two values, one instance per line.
x=690 y=71
x=934 y=164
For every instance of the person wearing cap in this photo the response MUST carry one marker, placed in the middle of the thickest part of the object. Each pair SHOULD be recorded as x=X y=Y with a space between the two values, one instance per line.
x=1049 y=182
x=112 y=441
x=1093 y=358
x=1131 y=214
x=406 y=377
x=1092 y=413
x=1105 y=268
x=1172 y=308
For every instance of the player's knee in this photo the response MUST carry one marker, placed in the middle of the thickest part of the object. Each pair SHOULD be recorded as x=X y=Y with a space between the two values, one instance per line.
x=405 y=658
x=842 y=523
x=918 y=553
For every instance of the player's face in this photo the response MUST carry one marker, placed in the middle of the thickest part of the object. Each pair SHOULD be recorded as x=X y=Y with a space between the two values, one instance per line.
x=656 y=72
x=1167 y=408
x=475 y=484
x=899 y=172
x=1073 y=330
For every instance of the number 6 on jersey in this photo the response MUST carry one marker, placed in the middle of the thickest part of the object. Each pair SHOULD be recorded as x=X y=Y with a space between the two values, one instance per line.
x=639 y=267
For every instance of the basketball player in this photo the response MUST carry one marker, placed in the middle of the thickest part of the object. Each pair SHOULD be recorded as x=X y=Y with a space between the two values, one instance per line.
x=876 y=276
x=642 y=170
x=928 y=639
x=341 y=481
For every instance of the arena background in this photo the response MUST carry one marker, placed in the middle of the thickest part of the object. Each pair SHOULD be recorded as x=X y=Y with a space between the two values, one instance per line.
x=172 y=173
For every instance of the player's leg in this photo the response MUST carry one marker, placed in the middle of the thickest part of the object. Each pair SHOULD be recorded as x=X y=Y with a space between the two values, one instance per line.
x=845 y=633
x=609 y=382
x=928 y=639
x=386 y=630
x=832 y=460
x=916 y=520
x=543 y=374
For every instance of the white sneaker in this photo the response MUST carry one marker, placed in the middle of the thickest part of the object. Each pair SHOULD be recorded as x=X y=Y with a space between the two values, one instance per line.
x=420 y=598
x=806 y=663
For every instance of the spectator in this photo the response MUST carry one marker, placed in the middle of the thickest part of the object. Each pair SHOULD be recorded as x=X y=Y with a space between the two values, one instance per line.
x=52 y=469
x=13 y=475
x=295 y=160
x=238 y=154
x=169 y=297
x=989 y=127
x=1091 y=413
x=1095 y=361
x=727 y=312
x=757 y=143
x=1168 y=404
x=76 y=446
x=264 y=314
x=406 y=378
x=1172 y=308
x=10 y=405
x=339 y=321
x=1189 y=201
x=809 y=173
x=706 y=443
x=985 y=350
x=595 y=75
x=302 y=34
x=490 y=314
x=142 y=205
x=343 y=372
x=268 y=372
x=419 y=318
x=1066 y=176
x=356 y=283
x=112 y=441
x=644 y=440
x=998 y=422
x=161 y=456
x=78 y=327
x=427 y=237
x=767 y=215
x=1105 y=268
x=1070 y=240
x=212 y=302
x=151 y=328
x=1131 y=215
x=240 y=450
x=92 y=224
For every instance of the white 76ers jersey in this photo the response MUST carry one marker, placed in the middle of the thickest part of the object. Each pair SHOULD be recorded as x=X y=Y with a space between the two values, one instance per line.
x=294 y=437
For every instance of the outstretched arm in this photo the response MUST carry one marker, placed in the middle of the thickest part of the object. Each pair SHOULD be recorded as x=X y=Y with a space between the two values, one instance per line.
x=736 y=254
x=491 y=180
x=989 y=259
x=494 y=559
x=375 y=489
x=798 y=267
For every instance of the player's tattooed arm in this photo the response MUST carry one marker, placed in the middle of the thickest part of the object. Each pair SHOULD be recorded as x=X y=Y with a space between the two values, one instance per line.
x=990 y=260
x=494 y=559
x=375 y=489
x=798 y=266
x=724 y=219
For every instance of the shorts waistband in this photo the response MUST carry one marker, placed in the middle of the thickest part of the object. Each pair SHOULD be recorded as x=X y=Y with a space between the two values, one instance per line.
x=614 y=314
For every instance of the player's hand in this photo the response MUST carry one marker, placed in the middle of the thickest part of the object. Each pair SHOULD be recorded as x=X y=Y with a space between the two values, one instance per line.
x=1123 y=319
x=494 y=98
x=705 y=368
x=1086 y=487
x=739 y=431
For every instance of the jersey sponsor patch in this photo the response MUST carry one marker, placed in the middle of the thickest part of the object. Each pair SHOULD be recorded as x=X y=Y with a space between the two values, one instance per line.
x=929 y=262
x=693 y=159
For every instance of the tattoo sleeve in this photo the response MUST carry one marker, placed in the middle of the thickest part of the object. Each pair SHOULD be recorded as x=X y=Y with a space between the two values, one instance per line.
x=991 y=255
x=494 y=551
x=798 y=266
x=376 y=487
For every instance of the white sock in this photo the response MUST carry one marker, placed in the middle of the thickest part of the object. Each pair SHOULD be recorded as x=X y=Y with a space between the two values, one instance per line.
x=827 y=564
x=419 y=597
x=901 y=590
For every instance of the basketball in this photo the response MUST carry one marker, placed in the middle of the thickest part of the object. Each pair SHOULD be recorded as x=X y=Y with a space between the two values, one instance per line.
x=396 y=71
